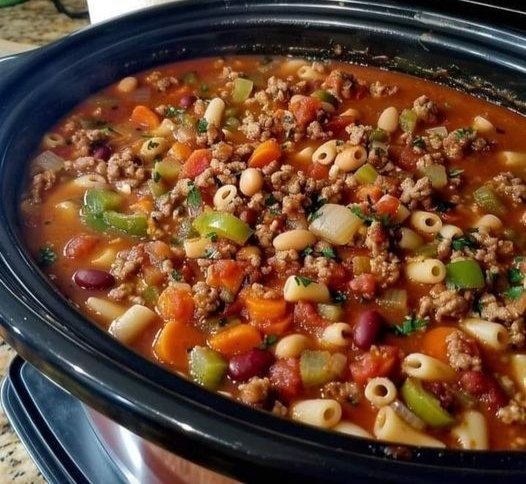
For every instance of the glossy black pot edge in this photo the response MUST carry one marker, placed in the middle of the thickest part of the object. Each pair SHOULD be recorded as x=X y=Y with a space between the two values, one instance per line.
x=110 y=378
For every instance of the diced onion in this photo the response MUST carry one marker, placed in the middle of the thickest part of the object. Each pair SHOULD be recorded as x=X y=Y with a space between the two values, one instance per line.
x=335 y=224
x=48 y=160
x=405 y=414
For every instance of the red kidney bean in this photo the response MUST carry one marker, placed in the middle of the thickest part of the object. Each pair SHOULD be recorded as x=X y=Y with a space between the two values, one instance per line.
x=102 y=152
x=186 y=101
x=474 y=382
x=254 y=362
x=249 y=216
x=93 y=279
x=367 y=329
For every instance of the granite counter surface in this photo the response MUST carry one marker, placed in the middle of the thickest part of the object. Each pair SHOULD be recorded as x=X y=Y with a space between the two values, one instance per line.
x=23 y=26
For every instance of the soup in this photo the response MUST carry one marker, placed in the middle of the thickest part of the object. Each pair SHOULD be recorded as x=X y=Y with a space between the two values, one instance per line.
x=335 y=244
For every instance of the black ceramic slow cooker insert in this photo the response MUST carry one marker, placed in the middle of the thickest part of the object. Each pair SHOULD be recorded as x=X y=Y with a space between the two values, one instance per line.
x=36 y=89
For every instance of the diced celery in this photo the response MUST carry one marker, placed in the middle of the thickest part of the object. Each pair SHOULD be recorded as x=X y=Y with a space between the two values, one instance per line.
x=407 y=120
x=150 y=295
x=242 y=89
x=325 y=96
x=232 y=123
x=489 y=201
x=316 y=367
x=366 y=174
x=378 y=134
x=207 y=367
x=168 y=169
x=465 y=274
x=332 y=312
x=437 y=175
x=427 y=250
x=157 y=188
x=425 y=405
x=132 y=224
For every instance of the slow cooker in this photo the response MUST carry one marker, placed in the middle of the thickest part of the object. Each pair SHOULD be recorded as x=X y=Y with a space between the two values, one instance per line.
x=460 y=45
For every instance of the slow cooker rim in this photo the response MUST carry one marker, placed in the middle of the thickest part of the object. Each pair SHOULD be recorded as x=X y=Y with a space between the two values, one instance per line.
x=32 y=348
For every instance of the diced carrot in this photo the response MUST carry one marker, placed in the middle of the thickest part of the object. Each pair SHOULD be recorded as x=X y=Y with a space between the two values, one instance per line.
x=275 y=327
x=144 y=205
x=260 y=309
x=227 y=274
x=176 y=303
x=317 y=171
x=196 y=163
x=80 y=246
x=235 y=340
x=145 y=117
x=382 y=361
x=434 y=342
x=368 y=192
x=264 y=154
x=304 y=108
x=387 y=205
x=180 y=151
x=174 y=341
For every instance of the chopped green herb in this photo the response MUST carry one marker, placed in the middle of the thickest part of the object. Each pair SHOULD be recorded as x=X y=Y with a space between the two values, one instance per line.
x=194 y=199
x=368 y=219
x=156 y=176
x=463 y=133
x=419 y=142
x=328 y=252
x=514 y=292
x=268 y=341
x=410 y=325
x=176 y=275
x=270 y=200
x=455 y=172
x=477 y=305
x=303 y=281
x=459 y=243
x=515 y=276
x=444 y=206
x=173 y=112
x=46 y=256
x=307 y=251
x=202 y=126
x=152 y=144
x=211 y=253
x=339 y=297
x=212 y=236
x=315 y=206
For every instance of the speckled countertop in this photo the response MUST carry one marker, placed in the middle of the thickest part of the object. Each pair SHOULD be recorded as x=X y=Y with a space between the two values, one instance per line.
x=26 y=25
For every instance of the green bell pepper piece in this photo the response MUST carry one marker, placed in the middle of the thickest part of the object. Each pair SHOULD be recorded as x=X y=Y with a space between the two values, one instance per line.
x=94 y=221
x=465 y=274
x=366 y=174
x=132 y=224
x=425 y=405
x=207 y=367
x=489 y=201
x=97 y=200
x=325 y=97
x=224 y=225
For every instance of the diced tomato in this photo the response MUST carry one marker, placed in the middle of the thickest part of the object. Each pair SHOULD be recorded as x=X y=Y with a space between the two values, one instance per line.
x=80 y=246
x=379 y=361
x=387 y=205
x=408 y=159
x=369 y=192
x=338 y=123
x=317 y=171
x=364 y=285
x=226 y=274
x=196 y=163
x=452 y=217
x=285 y=378
x=307 y=317
x=233 y=309
x=338 y=277
x=304 y=108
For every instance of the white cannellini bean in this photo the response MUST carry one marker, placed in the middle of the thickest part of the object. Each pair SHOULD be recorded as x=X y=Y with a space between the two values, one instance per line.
x=128 y=84
x=250 y=181
x=297 y=239
x=388 y=120
x=214 y=111
x=291 y=346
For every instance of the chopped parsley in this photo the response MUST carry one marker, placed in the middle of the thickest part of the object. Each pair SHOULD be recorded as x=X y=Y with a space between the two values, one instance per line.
x=462 y=133
x=477 y=305
x=212 y=236
x=303 y=281
x=339 y=297
x=268 y=341
x=515 y=276
x=444 y=206
x=194 y=198
x=173 y=112
x=328 y=252
x=455 y=172
x=176 y=275
x=152 y=144
x=315 y=207
x=270 y=200
x=514 y=292
x=202 y=126
x=459 y=243
x=419 y=142
x=211 y=253
x=307 y=251
x=46 y=256
x=410 y=325
x=156 y=176
x=368 y=219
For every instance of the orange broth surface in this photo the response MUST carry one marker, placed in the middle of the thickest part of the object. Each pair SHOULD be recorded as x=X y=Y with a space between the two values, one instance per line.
x=55 y=215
